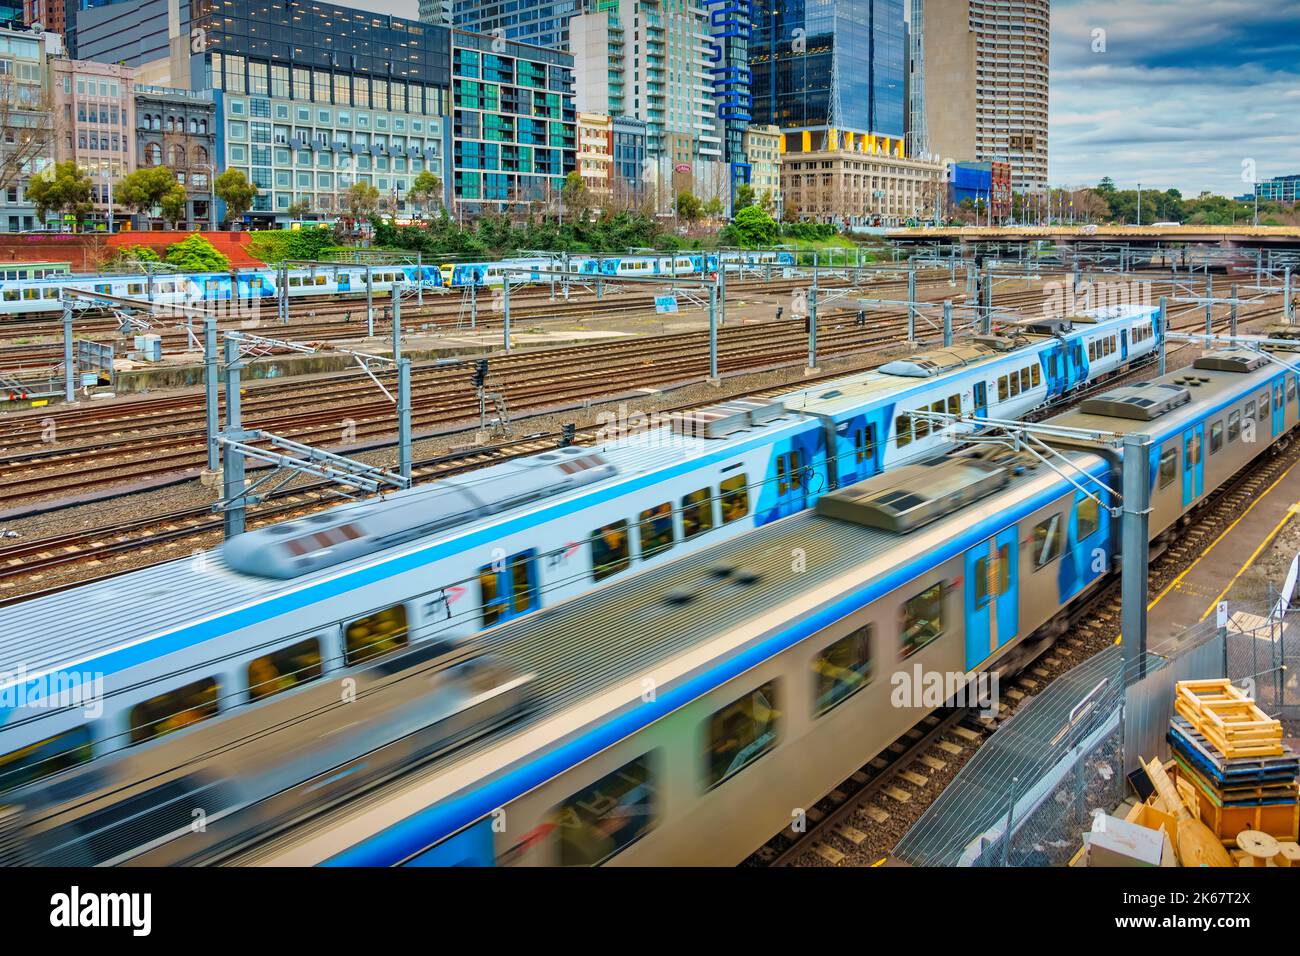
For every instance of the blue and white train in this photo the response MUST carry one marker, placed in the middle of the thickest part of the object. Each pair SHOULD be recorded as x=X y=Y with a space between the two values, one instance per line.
x=683 y=711
x=24 y=296
x=682 y=263
x=474 y=551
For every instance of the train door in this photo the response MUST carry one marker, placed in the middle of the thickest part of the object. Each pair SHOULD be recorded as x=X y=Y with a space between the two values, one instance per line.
x=345 y=282
x=992 y=602
x=981 y=394
x=1279 y=407
x=1193 y=464
x=1123 y=344
x=508 y=587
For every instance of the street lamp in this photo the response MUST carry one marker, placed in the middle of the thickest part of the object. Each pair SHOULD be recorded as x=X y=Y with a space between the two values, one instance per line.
x=1139 y=204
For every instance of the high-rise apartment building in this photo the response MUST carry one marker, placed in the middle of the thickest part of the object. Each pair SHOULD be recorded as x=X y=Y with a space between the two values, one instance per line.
x=27 y=146
x=651 y=61
x=596 y=153
x=515 y=126
x=982 y=94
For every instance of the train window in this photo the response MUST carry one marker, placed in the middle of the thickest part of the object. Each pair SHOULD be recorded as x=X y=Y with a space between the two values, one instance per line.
x=1193 y=452
x=922 y=619
x=938 y=407
x=11 y=295
x=609 y=550
x=864 y=444
x=741 y=732
x=376 y=634
x=284 y=669
x=610 y=815
x=1250 y=410
x=1024 y=379
x=50 y=293
x=1290 y=387
x=1087 y=517
x=954 y=404
x=31 y=294
x=318 y=280
x=782 y=483
x=1169 y=467
x=135 y=288
x=104 y=288
x=903 y=429
x=1216 y=436
x=44 y=758
x=794 y=468
x=295 y=281
x=656 y=530
x=999 y=582
x=1035 y=375
x=734 y=498
x=1003 y=394
x=1263 y=406
x=174 y=710
x=507 y=588
x=843 y=669
x=697 y=513
x=1047 y=541
x=1234 y=425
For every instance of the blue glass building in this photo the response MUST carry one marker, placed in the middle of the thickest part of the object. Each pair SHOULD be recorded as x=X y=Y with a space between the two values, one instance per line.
x=539 y=22
x=819 y=65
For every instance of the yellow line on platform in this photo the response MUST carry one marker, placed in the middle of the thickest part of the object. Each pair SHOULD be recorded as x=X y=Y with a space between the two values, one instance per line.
x=1290 y=513
x=1178 y=580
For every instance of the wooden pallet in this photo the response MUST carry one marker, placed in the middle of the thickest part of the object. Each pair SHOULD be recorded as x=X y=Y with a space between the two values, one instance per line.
x=1184 y=738
x=1245 y=795
x=1228 y=719
x=1281 y=820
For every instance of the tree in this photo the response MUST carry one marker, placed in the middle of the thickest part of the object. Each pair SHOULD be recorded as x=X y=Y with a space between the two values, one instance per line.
x=427 y=187
x=62 y=188
x=298 y=209
x=754 y=227
x=689 y=208
x=145 y=189
x=234 y=189
x=744 y=197
x=713 y=207
x=361 y=201
x=174 y=203
x=26 y=130
x=574 y=195
x=194 y=253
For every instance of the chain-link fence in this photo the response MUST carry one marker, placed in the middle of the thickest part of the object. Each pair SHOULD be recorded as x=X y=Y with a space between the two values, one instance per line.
x=1031 y=791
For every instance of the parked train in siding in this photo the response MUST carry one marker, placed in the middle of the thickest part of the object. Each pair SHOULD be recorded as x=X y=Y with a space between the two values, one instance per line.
x=683 y=712
x=24 y=296
x=320 y=594
x=541 y=268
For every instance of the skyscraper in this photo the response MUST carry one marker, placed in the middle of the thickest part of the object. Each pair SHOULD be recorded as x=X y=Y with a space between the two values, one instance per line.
x=823 y=68
x=540 y=22
x=983 y=95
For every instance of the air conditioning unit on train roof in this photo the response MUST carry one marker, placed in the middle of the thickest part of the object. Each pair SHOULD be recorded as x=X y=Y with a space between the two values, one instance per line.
x=928 y=364
x=1045 y=326
x=727 y=418
x=1141 y=401
x=1230 y=360
x=914 y=495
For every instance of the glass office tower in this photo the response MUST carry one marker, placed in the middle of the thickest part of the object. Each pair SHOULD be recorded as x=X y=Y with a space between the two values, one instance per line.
x=819 y=65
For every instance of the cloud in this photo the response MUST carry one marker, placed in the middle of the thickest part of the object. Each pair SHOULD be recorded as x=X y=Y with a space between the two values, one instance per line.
x=1174 y=92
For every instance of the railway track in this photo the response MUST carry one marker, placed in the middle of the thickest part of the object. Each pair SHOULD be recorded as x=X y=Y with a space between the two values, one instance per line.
x=860 y=822
x=30 y=562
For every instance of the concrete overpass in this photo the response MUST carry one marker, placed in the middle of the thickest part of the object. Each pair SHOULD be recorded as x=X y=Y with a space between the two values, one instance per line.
x=1231 y=237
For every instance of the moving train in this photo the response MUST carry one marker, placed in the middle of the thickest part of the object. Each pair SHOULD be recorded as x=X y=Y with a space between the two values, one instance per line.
x=24 y=296
x=476 y=550
x=682 y=263
x=682 y=714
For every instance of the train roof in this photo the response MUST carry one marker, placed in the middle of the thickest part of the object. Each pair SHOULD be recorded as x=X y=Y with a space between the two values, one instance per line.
x=1161 y=407
x=699 y=621
x=199 y=598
